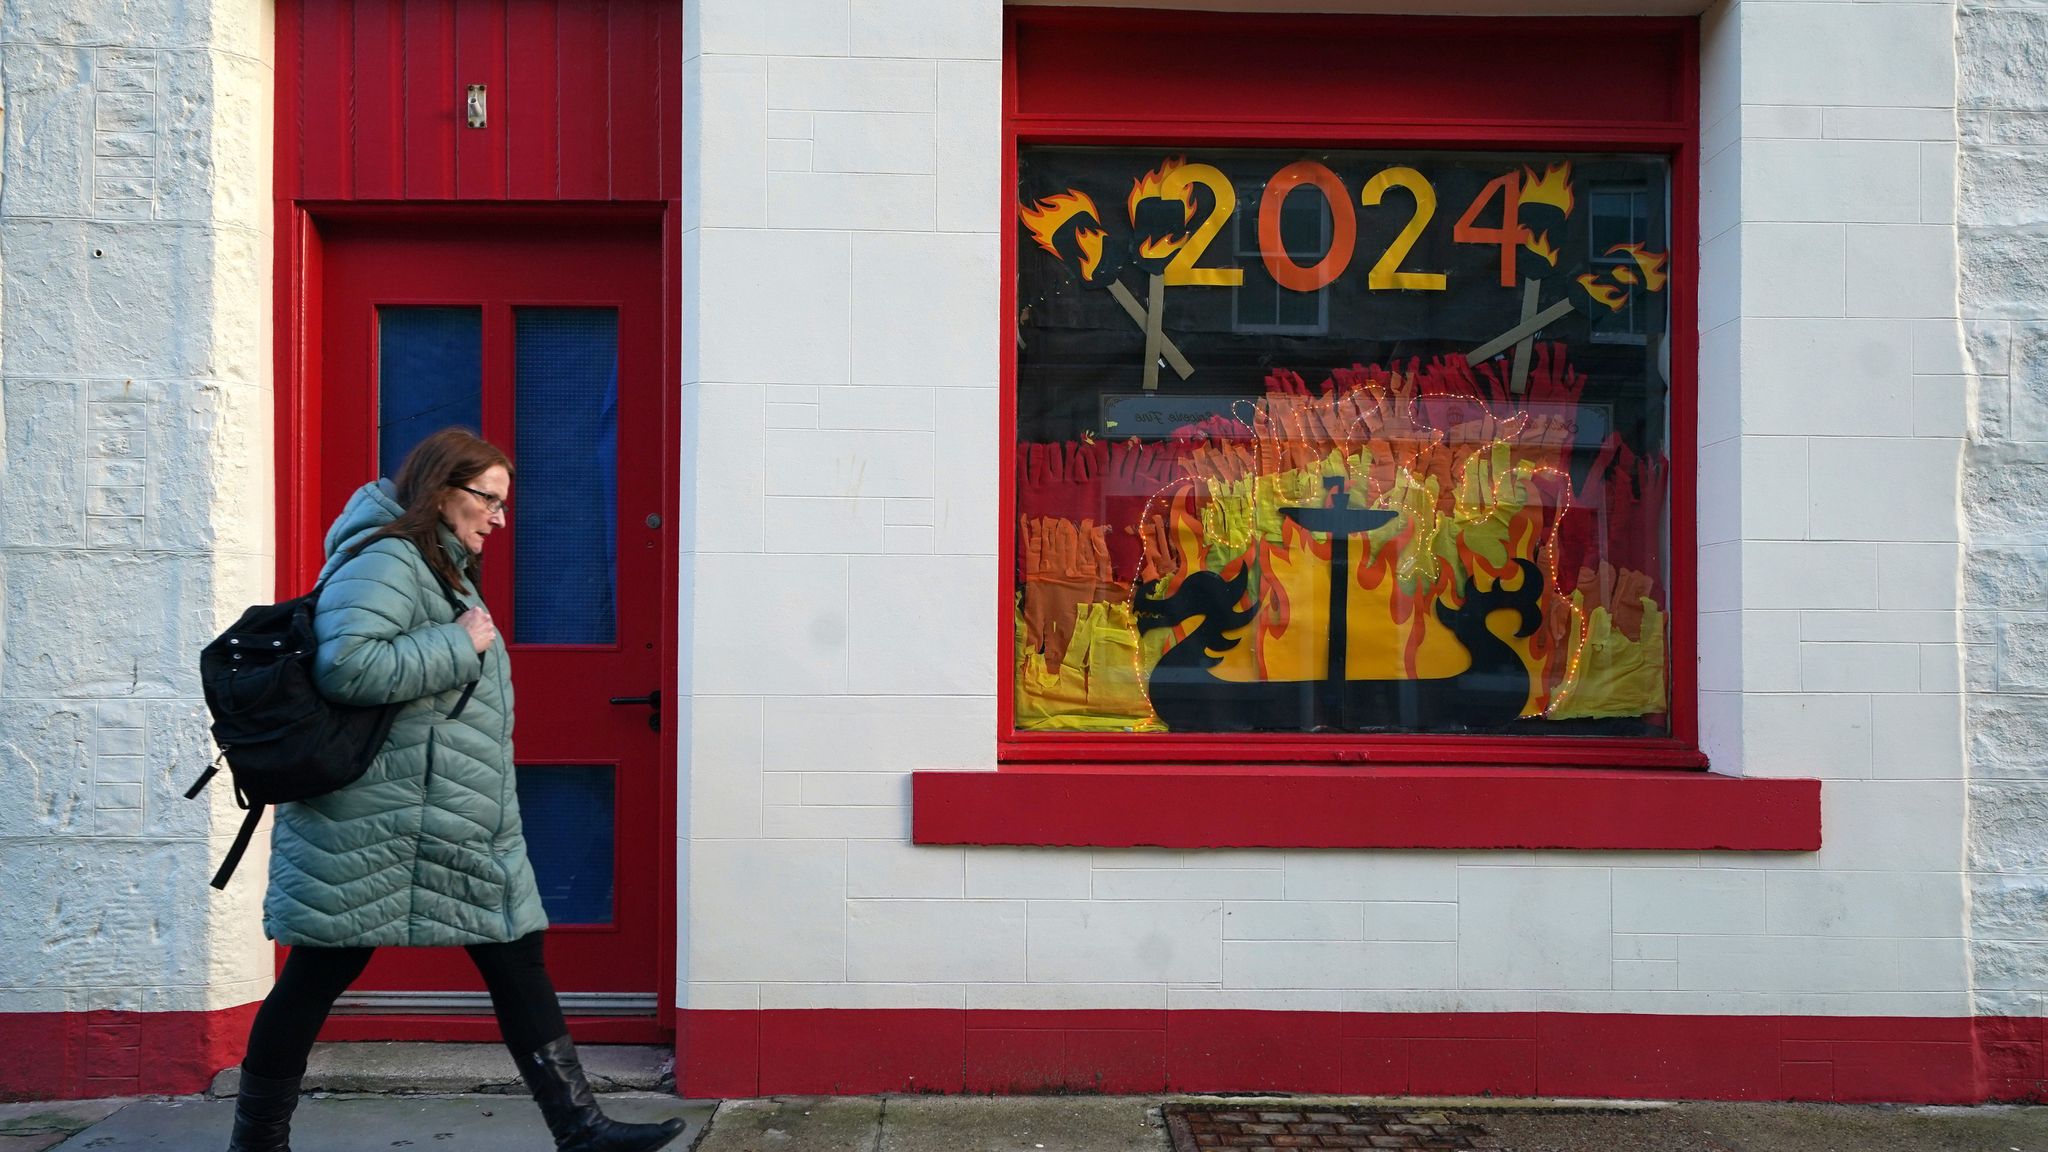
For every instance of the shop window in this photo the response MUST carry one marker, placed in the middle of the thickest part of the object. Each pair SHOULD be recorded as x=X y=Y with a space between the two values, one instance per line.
x=1334 y=442
x=1349 y=441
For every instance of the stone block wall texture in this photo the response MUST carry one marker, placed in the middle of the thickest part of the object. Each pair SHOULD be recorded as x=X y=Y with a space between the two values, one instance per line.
x=841 y=207
x=2002 y=114
x=135 y=496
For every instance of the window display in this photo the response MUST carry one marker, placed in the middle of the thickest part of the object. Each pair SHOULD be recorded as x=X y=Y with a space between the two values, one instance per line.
x=1338 y=441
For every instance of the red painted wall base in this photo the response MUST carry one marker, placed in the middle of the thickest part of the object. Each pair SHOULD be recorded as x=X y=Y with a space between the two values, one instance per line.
x=78 y=1055
x=1812 y=1058
x=845 y=1051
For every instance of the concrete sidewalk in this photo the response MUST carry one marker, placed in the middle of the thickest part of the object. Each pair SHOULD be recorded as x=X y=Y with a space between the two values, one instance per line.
x=338 y=1123
x=1135 y=1124
x=495 y=1123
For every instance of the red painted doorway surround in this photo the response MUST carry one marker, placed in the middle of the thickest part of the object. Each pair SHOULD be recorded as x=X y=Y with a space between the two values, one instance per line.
x=577 y=165
x=538 y=314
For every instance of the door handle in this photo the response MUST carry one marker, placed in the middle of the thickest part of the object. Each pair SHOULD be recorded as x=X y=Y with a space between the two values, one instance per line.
x=651 y=700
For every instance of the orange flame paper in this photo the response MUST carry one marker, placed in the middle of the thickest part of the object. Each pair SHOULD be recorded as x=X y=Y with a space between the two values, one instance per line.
x=1044 y=220
x=1152 y=186
x=1607 y=294
x=1480 y=478
x=1553 y=188
x=1652 y=264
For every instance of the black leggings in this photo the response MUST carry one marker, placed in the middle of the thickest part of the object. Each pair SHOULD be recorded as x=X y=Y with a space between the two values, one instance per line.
x=529 y=1014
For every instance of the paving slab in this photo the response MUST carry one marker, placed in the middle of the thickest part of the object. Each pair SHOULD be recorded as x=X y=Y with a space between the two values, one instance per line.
x=1772 y=1128
x=36 y=1126
x=796 y=1124
x=937 y=1124
x=1021 y=1124
x=469 y=1123
x=444 y=1069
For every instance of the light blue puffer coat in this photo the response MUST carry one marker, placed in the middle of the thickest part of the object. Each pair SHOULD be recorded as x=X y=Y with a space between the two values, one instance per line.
x=425 y=848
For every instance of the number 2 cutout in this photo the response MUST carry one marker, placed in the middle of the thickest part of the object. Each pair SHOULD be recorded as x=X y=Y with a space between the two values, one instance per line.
x=1181 y=270
x=1386 y=273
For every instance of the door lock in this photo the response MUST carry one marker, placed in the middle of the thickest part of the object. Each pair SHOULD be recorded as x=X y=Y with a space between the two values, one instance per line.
x=652 y=700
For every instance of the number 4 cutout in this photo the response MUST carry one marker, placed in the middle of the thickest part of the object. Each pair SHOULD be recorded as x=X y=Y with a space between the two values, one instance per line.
x=1510 y=235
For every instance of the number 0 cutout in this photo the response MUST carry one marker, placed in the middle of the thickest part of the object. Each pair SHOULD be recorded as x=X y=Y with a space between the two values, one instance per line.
x=1386 y=273
x=1343 y=233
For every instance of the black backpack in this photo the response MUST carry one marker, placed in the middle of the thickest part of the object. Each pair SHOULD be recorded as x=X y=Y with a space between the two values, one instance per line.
x=282 y=740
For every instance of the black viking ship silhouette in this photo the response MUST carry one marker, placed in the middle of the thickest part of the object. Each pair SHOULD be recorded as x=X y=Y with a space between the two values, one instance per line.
x=1189 y=697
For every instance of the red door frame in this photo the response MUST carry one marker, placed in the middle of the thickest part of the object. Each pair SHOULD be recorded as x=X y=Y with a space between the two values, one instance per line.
x=299 y=388
x=1207 y=103
x=577 y=264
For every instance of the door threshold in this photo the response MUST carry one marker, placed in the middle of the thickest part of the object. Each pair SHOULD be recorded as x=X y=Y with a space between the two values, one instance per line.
x=417 y=1068
x=472 y=1027
x=411 y=1002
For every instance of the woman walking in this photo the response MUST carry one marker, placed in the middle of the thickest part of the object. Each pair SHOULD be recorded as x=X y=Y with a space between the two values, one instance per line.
x=425 y=849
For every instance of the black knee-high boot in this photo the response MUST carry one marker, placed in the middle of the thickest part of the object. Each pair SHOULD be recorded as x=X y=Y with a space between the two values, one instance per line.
x=263 y=1113
x=556 y=1077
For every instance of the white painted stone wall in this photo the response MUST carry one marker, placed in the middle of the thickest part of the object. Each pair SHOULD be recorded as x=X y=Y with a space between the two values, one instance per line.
x=2003 y=215
x=135 y=488
x=841 y=405
x=840 y=258
x=841 y=359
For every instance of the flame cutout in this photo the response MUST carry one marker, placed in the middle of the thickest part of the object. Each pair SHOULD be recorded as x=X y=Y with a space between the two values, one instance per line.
x=1048 y=216
x=1606 y=294
x=1553 y=188
x=1152 y=185
x=1541 y=246
x=1479 y=479
x=1159 y=247
x=1623 y=274
x=1652 y=264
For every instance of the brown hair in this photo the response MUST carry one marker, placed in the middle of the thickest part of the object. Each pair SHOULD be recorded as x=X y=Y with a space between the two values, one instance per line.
x=447 y=459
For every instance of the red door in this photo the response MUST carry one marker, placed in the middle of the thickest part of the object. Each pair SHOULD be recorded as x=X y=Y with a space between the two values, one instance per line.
x=546 y=337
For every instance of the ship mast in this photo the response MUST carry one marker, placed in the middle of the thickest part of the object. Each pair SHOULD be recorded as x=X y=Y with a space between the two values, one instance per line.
x=1341 y=522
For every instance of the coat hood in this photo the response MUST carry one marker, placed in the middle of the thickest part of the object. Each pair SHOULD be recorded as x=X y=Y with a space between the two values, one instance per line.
x=373 y=506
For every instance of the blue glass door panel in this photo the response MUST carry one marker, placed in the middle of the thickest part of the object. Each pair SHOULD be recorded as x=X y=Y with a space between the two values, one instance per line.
x=566 y=810
x=429 y=376
x=566 y=389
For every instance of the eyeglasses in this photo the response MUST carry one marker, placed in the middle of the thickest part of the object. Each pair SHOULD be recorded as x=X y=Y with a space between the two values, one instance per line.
x=492 y=503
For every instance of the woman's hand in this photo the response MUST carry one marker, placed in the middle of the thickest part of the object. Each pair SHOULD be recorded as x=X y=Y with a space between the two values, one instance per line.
x=477 y=622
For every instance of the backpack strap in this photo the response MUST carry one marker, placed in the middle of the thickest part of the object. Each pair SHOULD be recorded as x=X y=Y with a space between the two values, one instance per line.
x=212 y=770
x=241 y=845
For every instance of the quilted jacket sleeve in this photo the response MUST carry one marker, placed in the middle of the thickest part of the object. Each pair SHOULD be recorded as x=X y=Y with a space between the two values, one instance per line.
x=369 y=652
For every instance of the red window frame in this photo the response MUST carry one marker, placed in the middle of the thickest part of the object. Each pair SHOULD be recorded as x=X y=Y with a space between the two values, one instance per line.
x=1186 y=79
x=1221 y=79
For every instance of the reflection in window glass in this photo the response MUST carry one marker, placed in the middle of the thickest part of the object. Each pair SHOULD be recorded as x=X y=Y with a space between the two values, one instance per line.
x=429 y=376
x=1262 y=305
x=1621 y=223
x=1388 y=471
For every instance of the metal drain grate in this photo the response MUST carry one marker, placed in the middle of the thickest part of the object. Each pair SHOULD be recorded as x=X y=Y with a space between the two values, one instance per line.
x=1266 y=1128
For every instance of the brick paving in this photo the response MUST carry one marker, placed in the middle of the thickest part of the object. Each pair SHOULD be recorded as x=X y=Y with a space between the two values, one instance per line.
x=1198 y=1128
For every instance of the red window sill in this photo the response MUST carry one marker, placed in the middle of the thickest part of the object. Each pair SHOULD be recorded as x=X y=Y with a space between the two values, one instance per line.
x=1130 y=806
